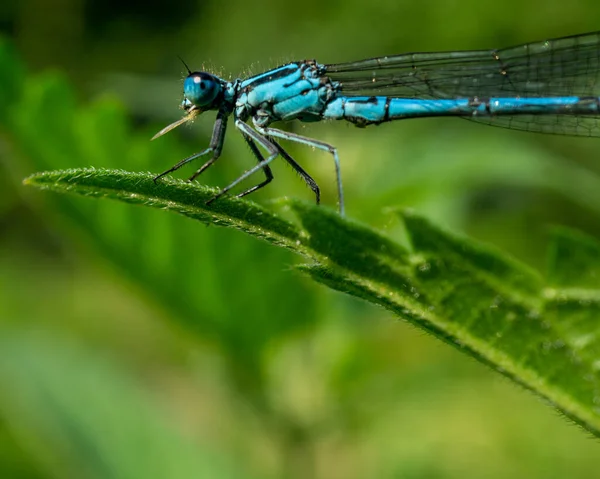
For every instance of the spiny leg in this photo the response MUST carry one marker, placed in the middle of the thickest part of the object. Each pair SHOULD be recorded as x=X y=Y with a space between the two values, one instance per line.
x=262 y=141
x=284 y=135
x=269 y=174
x=312 y=184
x=215 y=147
x=267 y=169
x=187 y=160
x=216 y=143
x=285 y=155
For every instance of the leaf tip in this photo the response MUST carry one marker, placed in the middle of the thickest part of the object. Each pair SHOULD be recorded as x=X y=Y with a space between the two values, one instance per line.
x=31 y=180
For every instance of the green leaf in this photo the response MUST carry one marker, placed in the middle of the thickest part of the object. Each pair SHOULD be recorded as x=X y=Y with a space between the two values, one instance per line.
x=185 y=198
x=574 y=260
x=490 y=306
x=11 y=77
x=188 y=272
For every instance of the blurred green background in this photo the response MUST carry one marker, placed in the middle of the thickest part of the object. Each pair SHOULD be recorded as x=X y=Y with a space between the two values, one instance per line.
x=134 y=343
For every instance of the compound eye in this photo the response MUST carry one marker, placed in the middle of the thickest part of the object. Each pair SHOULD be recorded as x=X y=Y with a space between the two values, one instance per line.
x=200 y=89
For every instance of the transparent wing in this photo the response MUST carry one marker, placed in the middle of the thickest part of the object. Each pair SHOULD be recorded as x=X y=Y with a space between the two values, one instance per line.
x=568 y=66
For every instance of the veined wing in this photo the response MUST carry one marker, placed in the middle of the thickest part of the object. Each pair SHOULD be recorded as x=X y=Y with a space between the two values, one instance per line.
x=568 y=66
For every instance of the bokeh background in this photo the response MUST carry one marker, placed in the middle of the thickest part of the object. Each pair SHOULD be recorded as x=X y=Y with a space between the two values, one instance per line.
x=134 y=343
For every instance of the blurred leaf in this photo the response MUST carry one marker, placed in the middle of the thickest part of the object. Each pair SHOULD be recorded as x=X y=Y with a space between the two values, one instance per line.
x=486 y=162
x=574 y=260
x=488 y=305
x=11 y=77
x=80 y=417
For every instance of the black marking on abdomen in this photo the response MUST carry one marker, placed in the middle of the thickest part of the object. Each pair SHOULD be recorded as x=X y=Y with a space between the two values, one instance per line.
x=366 y=101
x=476 y=102
x=386 y=115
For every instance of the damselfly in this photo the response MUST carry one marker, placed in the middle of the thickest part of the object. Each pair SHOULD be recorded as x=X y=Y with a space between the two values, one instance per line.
x=549 y=86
